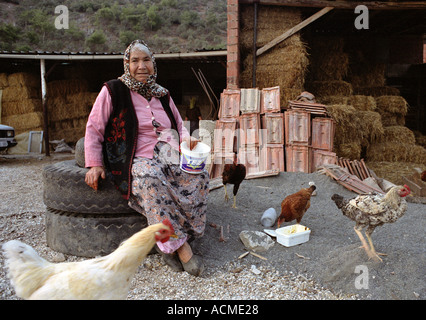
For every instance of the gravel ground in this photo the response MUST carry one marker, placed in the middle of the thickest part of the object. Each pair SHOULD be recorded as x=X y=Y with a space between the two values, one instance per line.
x=322 y=268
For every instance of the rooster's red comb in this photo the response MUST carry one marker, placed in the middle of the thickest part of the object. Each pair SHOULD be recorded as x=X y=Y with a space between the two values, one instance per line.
x=407 y=187
x=167 y=222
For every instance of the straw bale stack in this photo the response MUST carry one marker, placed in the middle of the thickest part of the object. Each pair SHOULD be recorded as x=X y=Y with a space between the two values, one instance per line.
x=397 y=145
x=285 y=64
x=396 y=152
x=32 y=121
x=347 y=123
x=328 y=59
x=393 y=171
x=23 y=79
x=329 y=88
x=21 y=104
x=354 y=129
x=3 y=80
x=69 y=104
x=420 y=139
x=363 y=103
x=392 y=109
x=66 y=87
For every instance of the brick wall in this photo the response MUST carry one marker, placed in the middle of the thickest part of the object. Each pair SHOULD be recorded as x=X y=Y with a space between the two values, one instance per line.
x=233 y=64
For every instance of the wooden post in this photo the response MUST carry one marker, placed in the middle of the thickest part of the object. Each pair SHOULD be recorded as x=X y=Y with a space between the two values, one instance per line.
x=43 y=100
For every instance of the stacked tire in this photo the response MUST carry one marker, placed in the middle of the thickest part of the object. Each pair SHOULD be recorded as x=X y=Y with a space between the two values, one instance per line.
x=81 y=221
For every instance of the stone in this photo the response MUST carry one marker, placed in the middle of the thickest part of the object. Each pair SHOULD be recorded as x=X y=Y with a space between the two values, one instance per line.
x=256 y=241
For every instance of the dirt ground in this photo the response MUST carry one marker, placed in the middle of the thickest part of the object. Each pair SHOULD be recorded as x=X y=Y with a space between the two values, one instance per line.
x=332 y=255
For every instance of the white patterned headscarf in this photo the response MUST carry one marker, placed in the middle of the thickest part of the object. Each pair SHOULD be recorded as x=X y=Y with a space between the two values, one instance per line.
x=149 y=88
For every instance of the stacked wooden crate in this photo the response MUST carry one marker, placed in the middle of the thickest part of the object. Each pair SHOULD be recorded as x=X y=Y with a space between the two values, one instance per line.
x=309 y=134
x=250 y=128
x=272 y=124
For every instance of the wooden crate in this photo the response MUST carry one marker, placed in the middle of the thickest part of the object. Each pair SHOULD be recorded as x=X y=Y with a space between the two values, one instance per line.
x=249 y=130
x=297 y=127
x=273 y=123
x=250 y=101
x=322 y=133
x=225 y=135
x=272 y=157
x=229 y=104
x=270 y=100
x=298 y=158
x=322 y=157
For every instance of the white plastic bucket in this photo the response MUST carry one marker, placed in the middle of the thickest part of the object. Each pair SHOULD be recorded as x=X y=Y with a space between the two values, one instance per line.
x=194 y=161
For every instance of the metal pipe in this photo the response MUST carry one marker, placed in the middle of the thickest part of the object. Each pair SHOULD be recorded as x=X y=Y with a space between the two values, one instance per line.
x=254 y=44
x=43 y=100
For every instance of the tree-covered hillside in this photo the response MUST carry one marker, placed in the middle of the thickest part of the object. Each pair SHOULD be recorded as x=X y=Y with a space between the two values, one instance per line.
x=106 y=26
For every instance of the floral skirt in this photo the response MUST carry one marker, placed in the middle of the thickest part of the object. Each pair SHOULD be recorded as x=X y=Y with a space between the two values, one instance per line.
x=161 y=190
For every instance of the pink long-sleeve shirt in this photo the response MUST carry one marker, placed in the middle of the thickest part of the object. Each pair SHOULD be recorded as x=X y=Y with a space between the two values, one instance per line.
x=147 y=137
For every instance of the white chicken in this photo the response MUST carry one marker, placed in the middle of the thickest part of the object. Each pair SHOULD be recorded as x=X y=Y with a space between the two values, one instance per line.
x=103 y=278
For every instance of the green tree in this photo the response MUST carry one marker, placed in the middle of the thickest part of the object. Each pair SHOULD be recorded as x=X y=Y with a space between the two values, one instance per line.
x=154 y=19
x=97 y=41
x=9 y=34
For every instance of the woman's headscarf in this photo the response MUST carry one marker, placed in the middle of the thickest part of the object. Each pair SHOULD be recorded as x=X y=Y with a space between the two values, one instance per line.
x=149 y=88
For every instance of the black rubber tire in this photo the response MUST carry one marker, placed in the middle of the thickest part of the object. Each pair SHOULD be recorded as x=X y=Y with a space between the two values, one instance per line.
x=65 y=190
x=89 y=235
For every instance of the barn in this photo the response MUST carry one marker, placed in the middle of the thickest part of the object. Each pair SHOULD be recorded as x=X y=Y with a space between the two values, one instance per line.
x=363 y=61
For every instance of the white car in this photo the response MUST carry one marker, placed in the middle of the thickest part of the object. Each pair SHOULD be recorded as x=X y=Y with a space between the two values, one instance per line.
x=7 y=137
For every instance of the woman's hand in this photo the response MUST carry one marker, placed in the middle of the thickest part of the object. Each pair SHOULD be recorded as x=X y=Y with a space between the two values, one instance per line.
x=92 y=176
x=191 y=142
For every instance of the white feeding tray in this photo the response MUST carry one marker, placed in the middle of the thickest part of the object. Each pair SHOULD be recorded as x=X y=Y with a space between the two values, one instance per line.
x=291 y=235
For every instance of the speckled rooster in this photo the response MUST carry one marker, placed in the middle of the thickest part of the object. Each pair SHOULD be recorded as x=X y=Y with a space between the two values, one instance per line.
x=371 y=211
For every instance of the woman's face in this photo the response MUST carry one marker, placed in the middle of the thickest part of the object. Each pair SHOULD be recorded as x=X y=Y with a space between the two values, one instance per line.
x=140 y=65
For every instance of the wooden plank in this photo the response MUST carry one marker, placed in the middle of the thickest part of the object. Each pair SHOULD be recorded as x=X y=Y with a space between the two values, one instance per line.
x=371 y=5
x=293 y=30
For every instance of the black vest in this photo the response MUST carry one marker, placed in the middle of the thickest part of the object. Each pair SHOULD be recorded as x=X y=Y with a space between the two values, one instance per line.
x=120 y=136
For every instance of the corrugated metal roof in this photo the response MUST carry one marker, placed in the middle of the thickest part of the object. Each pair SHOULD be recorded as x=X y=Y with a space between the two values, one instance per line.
x=64 y=55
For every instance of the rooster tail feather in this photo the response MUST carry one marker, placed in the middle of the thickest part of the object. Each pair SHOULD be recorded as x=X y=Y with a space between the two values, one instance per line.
x=26 y=269
x=338 y=200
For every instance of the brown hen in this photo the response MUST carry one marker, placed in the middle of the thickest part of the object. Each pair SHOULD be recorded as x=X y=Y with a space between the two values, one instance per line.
x=295 y=205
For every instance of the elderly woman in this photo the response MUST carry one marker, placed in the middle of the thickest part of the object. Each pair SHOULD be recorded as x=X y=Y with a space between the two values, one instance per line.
x=133 y=135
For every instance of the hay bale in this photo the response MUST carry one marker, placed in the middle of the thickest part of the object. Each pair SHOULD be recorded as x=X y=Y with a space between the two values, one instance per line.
x=24 y=79
x=399 y=134
x=19 y=93
x=272 y=21
x=377 y=91
x=420 y=139
x=392 y=104
x=334 y=100
x=25 y=122
x=329 y=88
x=371 y=128
x=392 y=119
x=348 y=124
x=328 y=60
x=66 y=87
x=20 y=107
x=363 y=103
x=285 y=64
x=396 y=152
x=367 y=75
x=3 y=80
x=288 y=94
x=350 y=151
x=393 y=171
